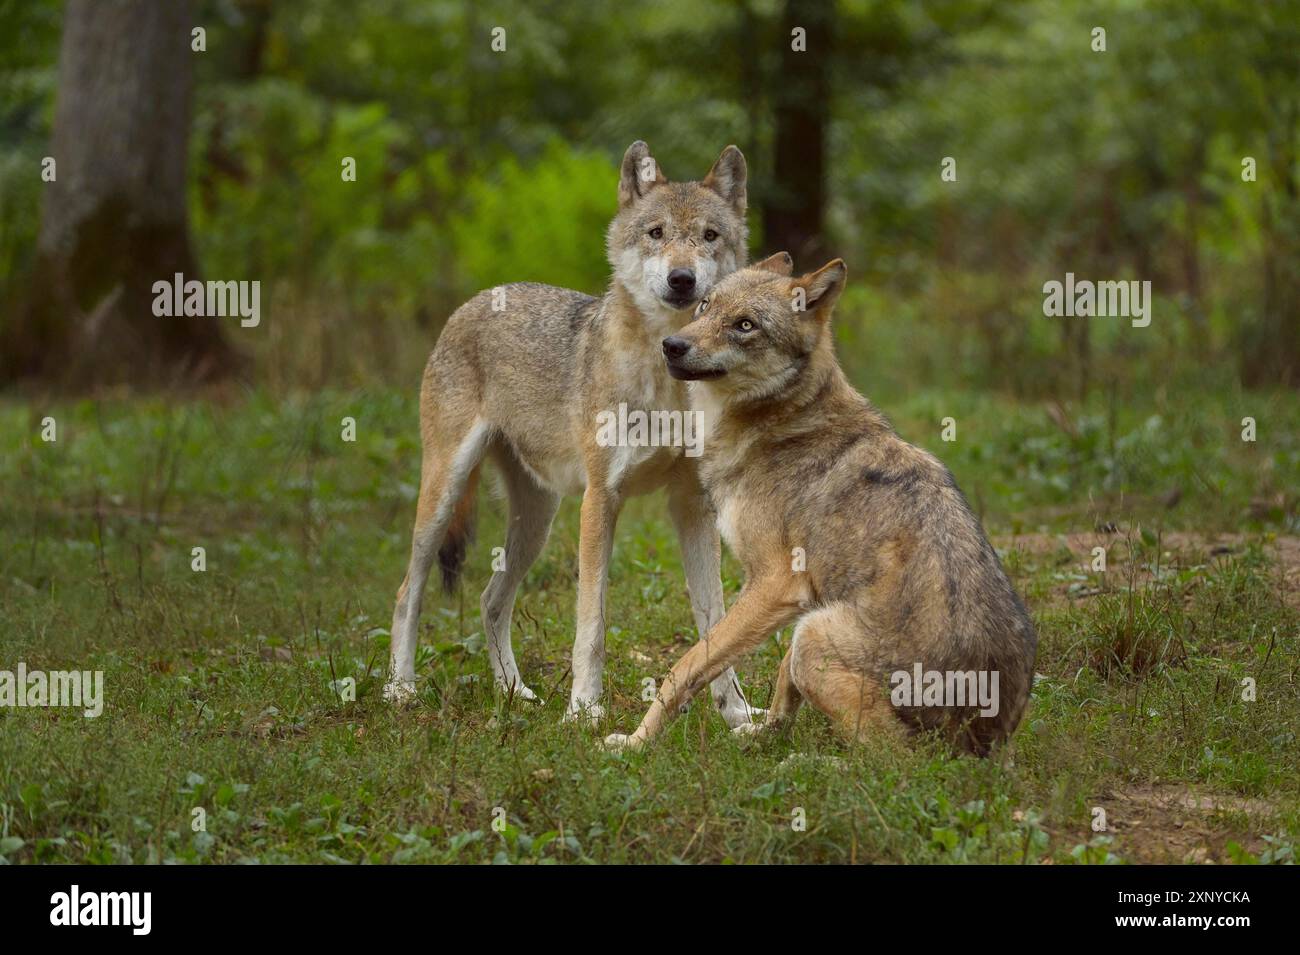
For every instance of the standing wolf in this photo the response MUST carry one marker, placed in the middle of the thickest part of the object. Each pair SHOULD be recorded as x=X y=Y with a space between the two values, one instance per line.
x=522 y=374
x=860 y=539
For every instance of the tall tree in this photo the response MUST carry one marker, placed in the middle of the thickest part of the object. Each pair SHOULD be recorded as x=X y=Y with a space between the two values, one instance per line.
x=114 y=219
x=792 y=213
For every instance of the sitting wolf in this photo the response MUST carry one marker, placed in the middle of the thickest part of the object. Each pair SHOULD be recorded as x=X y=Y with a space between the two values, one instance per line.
x=860 y=539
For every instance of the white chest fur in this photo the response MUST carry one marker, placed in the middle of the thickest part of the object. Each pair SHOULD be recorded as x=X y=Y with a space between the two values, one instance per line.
x=650 y=424
x=729 y=522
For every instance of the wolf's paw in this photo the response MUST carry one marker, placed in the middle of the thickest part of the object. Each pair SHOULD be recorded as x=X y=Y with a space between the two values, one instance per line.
x=620 y=742
x=749 y=730
x=399 y=691
x=586 y=714
x=740 y=713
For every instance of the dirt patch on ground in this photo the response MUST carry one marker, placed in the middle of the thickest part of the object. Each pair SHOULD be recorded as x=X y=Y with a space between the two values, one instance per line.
x=1181 y=824
x=1288 y=554
x=1173 y=541
x=1178 y=549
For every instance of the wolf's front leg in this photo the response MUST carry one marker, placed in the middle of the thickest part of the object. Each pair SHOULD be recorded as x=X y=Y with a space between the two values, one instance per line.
x=761 y=609
x=702 y=560
x=596 y=544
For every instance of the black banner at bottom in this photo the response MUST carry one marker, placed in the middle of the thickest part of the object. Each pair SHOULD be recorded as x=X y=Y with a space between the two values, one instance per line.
x=337 y=904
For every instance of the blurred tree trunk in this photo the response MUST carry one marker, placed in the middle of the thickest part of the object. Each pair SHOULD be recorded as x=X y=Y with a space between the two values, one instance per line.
x=252 y=55
x=792 y=215
x=1271 y=353
x=1193 y=169
x=748 y=39
x=114 y=220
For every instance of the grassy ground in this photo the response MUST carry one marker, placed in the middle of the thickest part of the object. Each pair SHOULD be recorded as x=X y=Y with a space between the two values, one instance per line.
x=218 y=684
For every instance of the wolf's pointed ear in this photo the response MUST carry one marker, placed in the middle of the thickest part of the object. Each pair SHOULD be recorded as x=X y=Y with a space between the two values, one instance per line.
x=823 y=287
x=727 y=178
x=781 y=264
x=640 y=174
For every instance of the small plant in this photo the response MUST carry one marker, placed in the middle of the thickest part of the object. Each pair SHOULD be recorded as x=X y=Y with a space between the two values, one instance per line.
x=1096 y=851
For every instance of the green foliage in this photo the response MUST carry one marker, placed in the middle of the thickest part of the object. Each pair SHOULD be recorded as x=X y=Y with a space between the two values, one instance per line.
x=274 y=153
x=29 y=31
x=476 y=167
x=543 y=222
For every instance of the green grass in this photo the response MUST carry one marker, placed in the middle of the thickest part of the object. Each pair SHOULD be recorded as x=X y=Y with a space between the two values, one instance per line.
x=218 y=684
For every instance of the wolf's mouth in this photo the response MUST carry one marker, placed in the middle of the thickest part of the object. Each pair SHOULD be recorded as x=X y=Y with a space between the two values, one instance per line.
x=694 y=374
x=680 y=301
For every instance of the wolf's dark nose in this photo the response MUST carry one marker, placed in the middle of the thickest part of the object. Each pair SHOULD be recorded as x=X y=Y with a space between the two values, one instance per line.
x=681 y=280
x=676 y=347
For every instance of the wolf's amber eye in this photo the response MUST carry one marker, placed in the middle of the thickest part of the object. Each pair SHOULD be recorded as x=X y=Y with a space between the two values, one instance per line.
x=745 y=325
x=657 y=232
x=710 y=235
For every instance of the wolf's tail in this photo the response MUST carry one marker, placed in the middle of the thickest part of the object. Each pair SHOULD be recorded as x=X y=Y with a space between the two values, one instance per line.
x=460 y=534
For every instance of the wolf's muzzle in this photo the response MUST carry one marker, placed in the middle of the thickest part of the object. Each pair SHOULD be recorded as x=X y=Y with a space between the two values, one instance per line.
x=682 y=282
x=675 y=349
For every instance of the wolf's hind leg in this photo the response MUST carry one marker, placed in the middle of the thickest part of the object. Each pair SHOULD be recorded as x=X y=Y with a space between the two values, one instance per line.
x=532 y=508
x=702 y=561
x=786 y=700
x=824 y=666
x=447 y=477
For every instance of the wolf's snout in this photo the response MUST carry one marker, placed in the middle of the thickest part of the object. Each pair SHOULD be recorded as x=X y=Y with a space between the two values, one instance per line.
x=676 y=347
x=681 y=281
